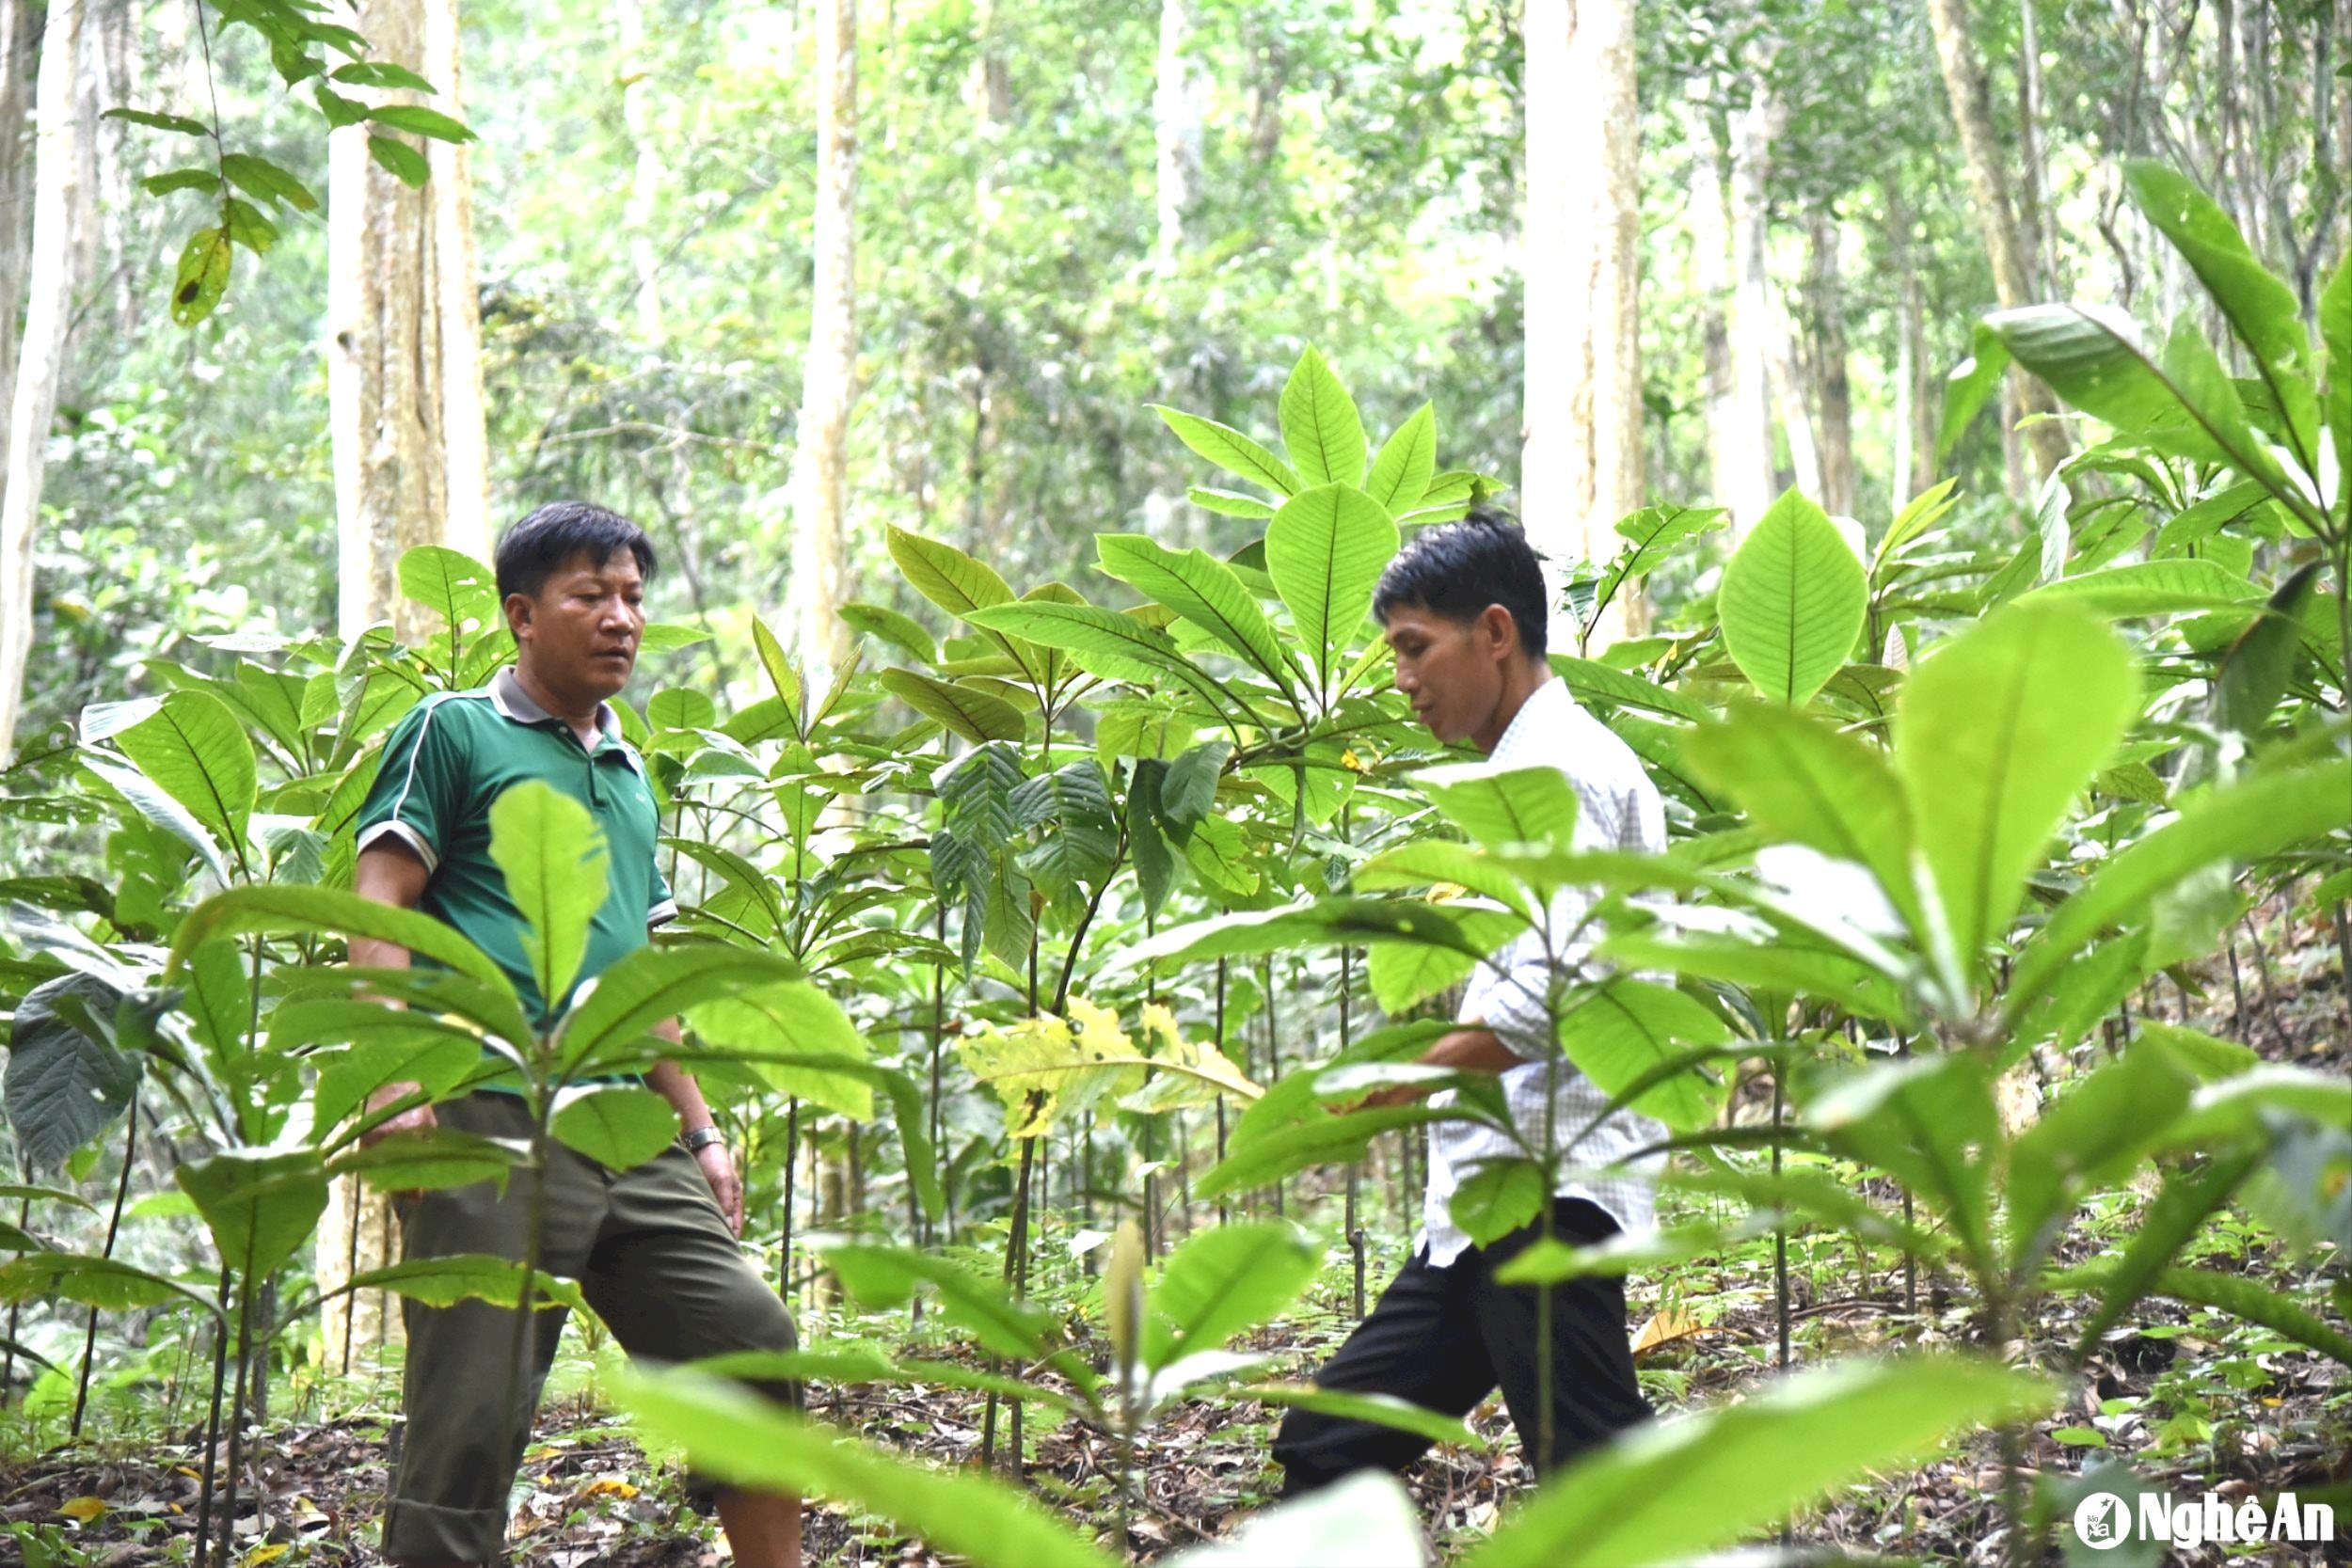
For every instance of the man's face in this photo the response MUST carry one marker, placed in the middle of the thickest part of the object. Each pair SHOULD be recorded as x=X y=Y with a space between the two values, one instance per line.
x=581 y=629
x=1451 y=671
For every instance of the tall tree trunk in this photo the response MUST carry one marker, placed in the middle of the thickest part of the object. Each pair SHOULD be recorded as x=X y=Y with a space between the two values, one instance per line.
x=1988 y=185
x=1918 y=407
x=20 y=49
x=821 y=467
x=60 y=144
x=1581 y=465
x=403 y=340
x=1746 y=444
x=1710 y=276
x=645 y=187
x=1832 y=389
x=1176 y=131
x=403 y=378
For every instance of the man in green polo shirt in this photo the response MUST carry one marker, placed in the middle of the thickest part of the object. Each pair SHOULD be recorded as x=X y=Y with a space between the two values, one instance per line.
x=653 y=1247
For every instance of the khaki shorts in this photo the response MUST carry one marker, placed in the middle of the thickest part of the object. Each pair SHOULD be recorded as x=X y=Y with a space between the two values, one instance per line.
x=652 y=1256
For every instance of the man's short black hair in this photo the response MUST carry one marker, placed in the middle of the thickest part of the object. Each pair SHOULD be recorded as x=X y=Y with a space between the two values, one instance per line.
x=1457 y=570
x=537 y=549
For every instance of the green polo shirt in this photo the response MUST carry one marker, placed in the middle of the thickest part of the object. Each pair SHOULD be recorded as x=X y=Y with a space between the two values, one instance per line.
x=452 y=756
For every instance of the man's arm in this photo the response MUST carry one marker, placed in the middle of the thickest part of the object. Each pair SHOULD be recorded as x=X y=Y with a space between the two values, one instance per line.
x=1472 y=1050
x=675 y=1084
x=389 y=872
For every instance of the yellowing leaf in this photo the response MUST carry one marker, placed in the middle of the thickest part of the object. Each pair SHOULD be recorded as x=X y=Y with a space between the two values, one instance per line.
x=271 y=1553
x=83 y=1510
x=609 y=1486
x=1664 y=1328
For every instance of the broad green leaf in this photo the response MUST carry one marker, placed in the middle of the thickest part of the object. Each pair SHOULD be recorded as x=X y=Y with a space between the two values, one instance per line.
x=2255 y=672
x=265 y=182
x=2207 y=1058
x=2246 y=1105
x=1222 y=1282
x=2237 y=1294
x=1969 y=388
x=1329 y=923
x=1589 y=679
x=155 y=120
x=1205 y=592
x=884 y=1278
x=1365 y=1520
x=792 y=1018
x=552 y=855
x=403 y=1049
x=952 y=580
x=1318 y=1140
x=202 y=276
x=1103 y=641
x=1499 y=1197
x=106 y=1283
x=1045 y=1067
x=2153 y=588
x=419 y=121
x=679 y=710
x=1407 y=459
x=653 y=984
x=1424 y=862
x=1230 y=450
x=972 y=713
x=737 y=1437
x=1616 y=1031
x=403 y=162
x=1381 y=1409
x=446 y=1280
x=620 y=1127
x=1404 y=975
x=1325 y=549
x=1321 y=431
x=259 y=1207
x=1650 y=535
x=295 y=911
x=2190 y=1197
x=193 y=749
x=2099 y=1131
x=2242 y=822
x=65 y=1084
x=1792 y=601
x=2260 y=310
x=1227 y=503
x=1929 y=1122
x=1674 y=1492
x=781 y=674
x=1996 y=734
x=1498 y=806
x=900 y=631
x=2335 y=331
x=380 y=73
x=1802 y=782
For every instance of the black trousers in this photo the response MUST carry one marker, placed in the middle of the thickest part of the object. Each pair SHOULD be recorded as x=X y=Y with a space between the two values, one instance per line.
x=1446 y=1338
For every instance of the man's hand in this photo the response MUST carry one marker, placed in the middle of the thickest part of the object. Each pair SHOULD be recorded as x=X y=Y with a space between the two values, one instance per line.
x=727 y=1187
x=1394 y=1095
x=417 y=1119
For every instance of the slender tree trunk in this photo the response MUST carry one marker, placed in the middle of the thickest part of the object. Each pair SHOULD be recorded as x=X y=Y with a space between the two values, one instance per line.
x=1833 y=391
x=20 y=52
x=1176 y=131
x=1581 y=465
x=820 y=467
x=1746 y=443
x=1988 y=185
x=1710 y=276
x=646 y=175
x=57 y=181
x=403 y=376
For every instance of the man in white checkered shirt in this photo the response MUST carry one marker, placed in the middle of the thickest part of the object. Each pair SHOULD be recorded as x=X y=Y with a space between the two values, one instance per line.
x=1462 y=606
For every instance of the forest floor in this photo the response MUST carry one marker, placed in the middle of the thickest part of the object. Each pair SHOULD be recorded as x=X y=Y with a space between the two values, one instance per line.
x=2259 y=1418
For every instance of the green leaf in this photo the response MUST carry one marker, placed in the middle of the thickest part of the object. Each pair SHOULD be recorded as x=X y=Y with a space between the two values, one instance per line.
x=181 y=180
x=945 y=574
x=1227 y=503
x=1674 y=1492
x=1222 y=1282
x=265 y=182
x=1969 y=388
x=65 y=1084
x=1359 y=1521
x=1205 y=592
x=2335 y=330
x=1320 y=1140
x=734 y=1436
x=1401 y=474
x=1589 y=679
x=1328 y=922
x=1325 y=551
x=1649 y=533
x=620 y=1128
x=202 y=276
x=2189 y=1198
x=259 y=1207
x=106 y=1283
x=900 y=631
x=2207 y=1059
x=1802 y=782
x=179 y=124
x=247 y=226
x=552 y=855
x=1929 y=1122
x=436 y=1159
x=1620 y=1029
x=454 y=586
x=884 y=1278
x=446 y=1280
x=1381 y=1409
x=2098 y=1131
x=402 y=1049
x=381 y=74
x=2242 y=822
x=1792 y=601
x=295 y=911
x=1103 y=641
x=1500 y=806
x=193 y=749
x=1996 y=736
x=974 y=715
x=2260 y=310
x=339 y=111
x=793 y=1019
x=2151 y=588
x=653 y=984
x=419 y=121
x=2256 y=671
x=2236 y=1294
x=1321 y=431
x=781 y=674
x=1499 y=1197
x=405 y=163
x=1230 y=450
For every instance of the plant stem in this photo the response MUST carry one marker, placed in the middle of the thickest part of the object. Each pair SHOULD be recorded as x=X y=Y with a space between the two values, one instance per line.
x=1220 y=1048
x=114 y=1224
x=212 y=1426
x=236 y=1419
x=791 y=1171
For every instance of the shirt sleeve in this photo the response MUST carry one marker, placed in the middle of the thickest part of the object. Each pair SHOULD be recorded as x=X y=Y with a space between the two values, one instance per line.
x=419 y=784
x=664 y=908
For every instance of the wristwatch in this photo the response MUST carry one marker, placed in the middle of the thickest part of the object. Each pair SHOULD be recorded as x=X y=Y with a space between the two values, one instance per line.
x=703 y=1137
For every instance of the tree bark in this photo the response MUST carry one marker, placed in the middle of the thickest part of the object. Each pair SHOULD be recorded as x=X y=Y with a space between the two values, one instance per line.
x=821 y=467
x=1746 y=443
x=1176 y=131
x=1710 y=275
x=59 y=145
x=1581 y=465
x=411 y=454
x=20 y=51
x=403 y=340
x=1988 y=184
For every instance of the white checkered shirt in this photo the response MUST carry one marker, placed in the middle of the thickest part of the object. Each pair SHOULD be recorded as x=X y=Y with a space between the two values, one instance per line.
x=1617 y=808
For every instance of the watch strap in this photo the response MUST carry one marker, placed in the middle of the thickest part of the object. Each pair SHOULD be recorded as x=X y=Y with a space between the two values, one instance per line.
x=703 y=1137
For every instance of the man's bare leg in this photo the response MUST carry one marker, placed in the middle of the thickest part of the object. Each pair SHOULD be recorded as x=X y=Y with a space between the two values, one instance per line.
x=762 y=1528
